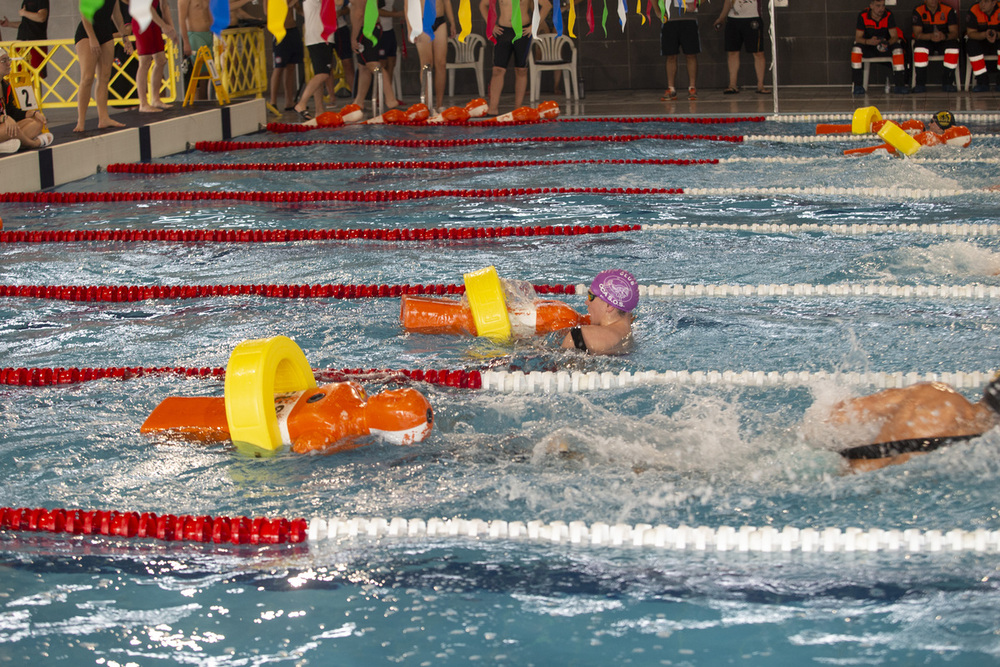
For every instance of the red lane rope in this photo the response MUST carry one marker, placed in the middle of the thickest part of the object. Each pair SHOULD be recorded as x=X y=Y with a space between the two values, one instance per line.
x=131 y=293
x=47 y=377
x=289 y=196
x=287 y=235
x=167 y=527
x=150 y=168
x=216 y=146
x=299 y=127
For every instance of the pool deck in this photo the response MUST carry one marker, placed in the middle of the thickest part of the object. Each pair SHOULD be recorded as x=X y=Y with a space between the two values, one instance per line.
x=75 y=156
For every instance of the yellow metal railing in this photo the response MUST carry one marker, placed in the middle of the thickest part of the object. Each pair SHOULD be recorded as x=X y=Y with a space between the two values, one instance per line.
x=239 y=56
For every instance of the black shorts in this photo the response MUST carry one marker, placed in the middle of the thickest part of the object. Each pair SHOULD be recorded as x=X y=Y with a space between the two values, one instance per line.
x=371 y=51
x=342 y=43
x=388 y=43
x=745 y=32
x=507 y=46
x=321 y=56
x=289 y=50
x=678 y=35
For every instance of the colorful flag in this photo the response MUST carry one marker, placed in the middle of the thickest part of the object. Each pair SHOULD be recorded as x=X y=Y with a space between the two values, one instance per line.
x=371 y=19
x=142 y=13
x=491 y=20
x=220 y=15
x=515 y=19
x=328 y=15
x=572 y=19
x=464 y=19
x=557 y=17
x=430 y=15
x=414 y=18
x=277 y=11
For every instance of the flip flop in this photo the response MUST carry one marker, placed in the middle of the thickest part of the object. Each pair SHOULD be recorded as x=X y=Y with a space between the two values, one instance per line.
x=304 y=114
x=731 y=91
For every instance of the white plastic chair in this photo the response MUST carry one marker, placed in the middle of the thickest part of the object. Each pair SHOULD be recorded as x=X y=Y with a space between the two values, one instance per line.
x=468 y=55
x=550 y=51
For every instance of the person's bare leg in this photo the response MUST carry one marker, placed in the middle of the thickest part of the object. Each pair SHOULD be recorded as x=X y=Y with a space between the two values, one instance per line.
x=733 y=63
x=159 y=64
x=440 y=65
x=142 y=85
x=88 y=68
x=104 y=119
x=520 y=85
x=496 y=88
x=671 y=73
x=759 y=67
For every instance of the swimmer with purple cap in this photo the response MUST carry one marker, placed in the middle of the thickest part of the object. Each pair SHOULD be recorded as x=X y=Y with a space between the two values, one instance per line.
x=612 y=297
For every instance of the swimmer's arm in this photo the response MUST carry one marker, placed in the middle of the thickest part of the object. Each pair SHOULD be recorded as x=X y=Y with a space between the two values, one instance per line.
x=867 y=408
x=449 y=16
x=726 y=6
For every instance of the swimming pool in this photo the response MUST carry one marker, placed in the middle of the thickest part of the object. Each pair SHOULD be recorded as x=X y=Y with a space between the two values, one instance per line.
x=697 y=453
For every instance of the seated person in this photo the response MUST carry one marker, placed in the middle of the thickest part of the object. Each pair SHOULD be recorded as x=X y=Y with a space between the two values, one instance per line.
x=876 y=36
x=982 y=38
x=18 y=128
x=915 y=420
x=935 y=31
x=612 y=297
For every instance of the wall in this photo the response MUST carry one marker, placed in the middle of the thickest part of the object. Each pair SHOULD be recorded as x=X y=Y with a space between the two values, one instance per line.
x=814 y=45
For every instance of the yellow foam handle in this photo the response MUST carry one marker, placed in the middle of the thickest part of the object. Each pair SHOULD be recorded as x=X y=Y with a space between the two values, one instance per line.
x=487 y=303
x=897 y=137
x=257 y=370
x=863 y=118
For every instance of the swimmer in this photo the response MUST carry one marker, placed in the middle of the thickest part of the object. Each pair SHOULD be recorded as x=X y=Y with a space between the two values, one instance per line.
x=941 y=131
x=612 y=297
x=915 y=420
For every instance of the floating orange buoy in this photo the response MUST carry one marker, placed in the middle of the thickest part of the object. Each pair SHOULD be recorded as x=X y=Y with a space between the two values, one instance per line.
x=352 y=113
x=957 y=135
x=418 y=112
x=548 y=109
x=519 y=115
x=329 y=119
x=477 y=107
x=434 y=315
x=393 y=116
x=328 y=418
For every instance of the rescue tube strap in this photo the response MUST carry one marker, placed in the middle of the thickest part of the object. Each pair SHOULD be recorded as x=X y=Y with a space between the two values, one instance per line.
x=283 y=404
x=884 y=450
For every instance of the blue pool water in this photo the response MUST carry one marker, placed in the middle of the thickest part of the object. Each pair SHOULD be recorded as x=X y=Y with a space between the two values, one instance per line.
x=712 y=455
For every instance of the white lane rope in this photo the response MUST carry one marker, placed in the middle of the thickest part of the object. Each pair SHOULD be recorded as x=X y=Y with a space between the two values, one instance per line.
x=960 y=117
x=894 y=192
x=854 y=229
x=826 y=159
x=646 y=536
x=974 y=291
x=562 y=382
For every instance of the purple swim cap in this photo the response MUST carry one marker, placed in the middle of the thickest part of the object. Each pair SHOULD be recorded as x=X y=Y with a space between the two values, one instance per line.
x=616 y=287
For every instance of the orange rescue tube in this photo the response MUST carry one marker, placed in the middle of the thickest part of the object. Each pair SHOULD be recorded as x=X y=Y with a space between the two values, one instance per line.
x=328 y=418
x=436 y=315
x=826 y=128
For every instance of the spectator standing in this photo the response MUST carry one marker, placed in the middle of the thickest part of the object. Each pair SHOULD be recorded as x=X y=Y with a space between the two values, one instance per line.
x=287 y=54
x=744 y=28
x=679 y=32
x=33 y=26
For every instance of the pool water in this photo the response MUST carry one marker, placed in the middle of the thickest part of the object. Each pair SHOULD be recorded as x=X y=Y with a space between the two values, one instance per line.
x=713 y=455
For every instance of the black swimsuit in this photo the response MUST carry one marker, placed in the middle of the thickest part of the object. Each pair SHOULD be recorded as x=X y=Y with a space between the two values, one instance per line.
x=577 y=334
x=884 y=450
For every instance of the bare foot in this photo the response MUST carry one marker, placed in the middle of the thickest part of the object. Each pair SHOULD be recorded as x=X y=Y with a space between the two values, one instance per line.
x=110 y=122
x=162 y=105
x=145 y=108
x=79 y=128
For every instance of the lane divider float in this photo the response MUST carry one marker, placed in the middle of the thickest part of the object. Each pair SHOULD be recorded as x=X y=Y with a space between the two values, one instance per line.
x=221 y=146
x=49 y=377
x=133 y=293
x=292 y=235
x=854 y=229
x=511 y=382
x=173 y=168
x=265 y=531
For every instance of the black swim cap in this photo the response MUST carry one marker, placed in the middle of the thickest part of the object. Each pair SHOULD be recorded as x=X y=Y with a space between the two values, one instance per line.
x=944 y=119
x=991 y=395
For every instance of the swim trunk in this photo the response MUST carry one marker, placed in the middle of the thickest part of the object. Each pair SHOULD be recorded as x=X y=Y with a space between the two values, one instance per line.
x=342 y=43
x=884 y=450
x=200 y=39
x=148 y=42
x=289 y=50
x=745 y=32
x=371 y=51
x=678 y=35
x=321 y=56
x=388 y=43
x=507 y=46
x=438 y=22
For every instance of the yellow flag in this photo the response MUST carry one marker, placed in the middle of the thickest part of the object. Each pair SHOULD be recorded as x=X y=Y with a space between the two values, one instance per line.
x=464 y=19
x=277 y=10
x=572 y=18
